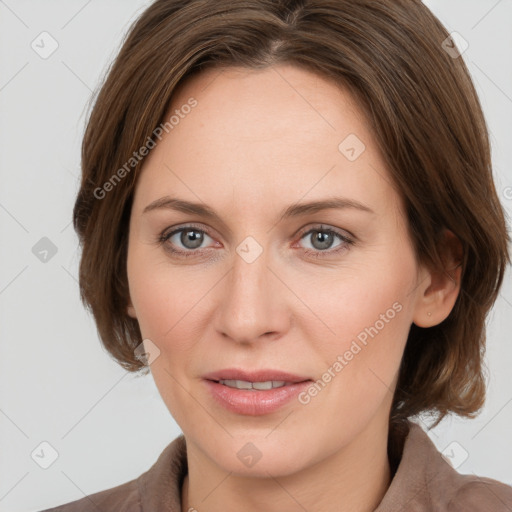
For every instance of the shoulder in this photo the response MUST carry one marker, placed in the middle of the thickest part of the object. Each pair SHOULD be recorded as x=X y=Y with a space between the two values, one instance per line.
x=124 y=497
x=479 y=494
x=426 y=480
x=159 y=488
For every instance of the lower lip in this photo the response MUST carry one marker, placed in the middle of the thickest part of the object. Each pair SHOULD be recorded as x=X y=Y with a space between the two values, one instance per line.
x=254 y=403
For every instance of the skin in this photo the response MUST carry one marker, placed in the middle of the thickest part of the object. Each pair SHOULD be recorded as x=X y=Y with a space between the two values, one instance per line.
x=257 y=142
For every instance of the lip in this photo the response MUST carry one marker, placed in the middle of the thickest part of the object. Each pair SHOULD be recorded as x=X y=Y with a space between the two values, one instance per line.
x=251 y=402
x=254 y=376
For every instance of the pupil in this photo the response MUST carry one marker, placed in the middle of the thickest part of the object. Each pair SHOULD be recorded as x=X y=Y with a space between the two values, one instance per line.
x=191 y=236
x=324 y=238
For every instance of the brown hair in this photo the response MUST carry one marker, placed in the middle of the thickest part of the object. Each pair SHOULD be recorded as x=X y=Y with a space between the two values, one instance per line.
x=426 y=118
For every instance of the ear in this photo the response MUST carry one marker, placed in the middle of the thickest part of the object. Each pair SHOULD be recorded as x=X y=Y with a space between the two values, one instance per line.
x=131 y=310
x=439 y=289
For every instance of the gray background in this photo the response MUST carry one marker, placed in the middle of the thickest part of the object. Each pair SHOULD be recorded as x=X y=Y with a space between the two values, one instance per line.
x=56 y=382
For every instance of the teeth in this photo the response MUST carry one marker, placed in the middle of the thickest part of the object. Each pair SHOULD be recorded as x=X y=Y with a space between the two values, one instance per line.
x=243 y=384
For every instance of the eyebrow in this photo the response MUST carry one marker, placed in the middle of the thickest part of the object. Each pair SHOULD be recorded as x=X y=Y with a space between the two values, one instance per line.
x=294 y=210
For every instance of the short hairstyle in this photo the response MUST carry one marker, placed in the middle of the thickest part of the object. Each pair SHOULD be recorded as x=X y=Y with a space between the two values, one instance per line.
x=424 y=113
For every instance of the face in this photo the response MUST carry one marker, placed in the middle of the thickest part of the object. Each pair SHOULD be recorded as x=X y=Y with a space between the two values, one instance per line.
x=326 y=294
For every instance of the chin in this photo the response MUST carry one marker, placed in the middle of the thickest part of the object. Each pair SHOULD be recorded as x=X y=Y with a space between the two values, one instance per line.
x=259 y=455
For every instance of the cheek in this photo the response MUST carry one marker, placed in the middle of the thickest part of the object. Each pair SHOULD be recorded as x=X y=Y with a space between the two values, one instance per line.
x=168 y=303
x=368 y=316
x=365 y=316
x=168 y=299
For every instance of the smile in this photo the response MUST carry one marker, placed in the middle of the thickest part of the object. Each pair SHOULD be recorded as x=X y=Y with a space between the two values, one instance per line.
x=261 y=386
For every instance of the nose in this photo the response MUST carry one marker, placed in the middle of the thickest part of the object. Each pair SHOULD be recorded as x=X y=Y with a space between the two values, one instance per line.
x=253 y=302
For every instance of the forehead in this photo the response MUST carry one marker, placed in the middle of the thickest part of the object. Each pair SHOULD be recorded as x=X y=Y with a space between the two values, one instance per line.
x=266 y=94
x=282 y=132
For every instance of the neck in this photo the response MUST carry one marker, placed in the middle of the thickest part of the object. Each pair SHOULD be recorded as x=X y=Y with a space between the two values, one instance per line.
x=352 y=479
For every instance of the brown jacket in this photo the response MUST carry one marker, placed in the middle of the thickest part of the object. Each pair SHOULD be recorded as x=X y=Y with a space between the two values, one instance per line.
x=424 y=481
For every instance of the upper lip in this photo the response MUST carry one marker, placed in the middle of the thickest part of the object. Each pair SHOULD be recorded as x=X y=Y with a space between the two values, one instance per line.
x=254 y=376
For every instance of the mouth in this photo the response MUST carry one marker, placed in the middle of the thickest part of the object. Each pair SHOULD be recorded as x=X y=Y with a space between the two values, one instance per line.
x=255 y=386
x=254 y=393
x=259 y=380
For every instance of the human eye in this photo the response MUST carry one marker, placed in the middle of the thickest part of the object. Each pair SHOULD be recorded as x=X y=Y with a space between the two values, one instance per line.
x=191 y=237
x=323 y=239
x=187 y=241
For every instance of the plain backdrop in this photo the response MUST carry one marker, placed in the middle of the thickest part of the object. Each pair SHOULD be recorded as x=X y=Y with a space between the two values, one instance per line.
x=57 y=385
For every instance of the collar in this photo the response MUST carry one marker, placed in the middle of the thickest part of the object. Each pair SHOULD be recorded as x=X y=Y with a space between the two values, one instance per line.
x=424 y=479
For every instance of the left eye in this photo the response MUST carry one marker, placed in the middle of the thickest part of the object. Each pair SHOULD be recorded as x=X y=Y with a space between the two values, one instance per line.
x=324 y=237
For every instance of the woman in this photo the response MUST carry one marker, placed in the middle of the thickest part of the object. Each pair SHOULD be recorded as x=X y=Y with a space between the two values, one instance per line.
x=287 y=214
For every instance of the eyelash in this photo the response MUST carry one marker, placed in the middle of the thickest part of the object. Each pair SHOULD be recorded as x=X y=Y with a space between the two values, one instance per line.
x=164 y=237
